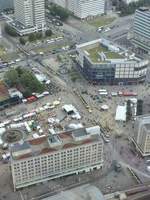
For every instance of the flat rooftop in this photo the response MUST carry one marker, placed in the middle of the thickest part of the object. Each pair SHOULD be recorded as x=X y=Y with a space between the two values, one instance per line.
x=94 y=54
x=144 y=9
x=54 y=142
x=101 y=51
x=105 y=51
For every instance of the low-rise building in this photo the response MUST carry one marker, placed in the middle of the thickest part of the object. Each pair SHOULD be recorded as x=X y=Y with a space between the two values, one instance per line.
x=56 y=155
x=7 y=98
x=13 y=92
x=107 y=63
x=141 y=137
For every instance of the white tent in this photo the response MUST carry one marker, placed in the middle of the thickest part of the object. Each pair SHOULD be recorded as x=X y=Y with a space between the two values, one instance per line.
x=120 y=113
x=105 y=107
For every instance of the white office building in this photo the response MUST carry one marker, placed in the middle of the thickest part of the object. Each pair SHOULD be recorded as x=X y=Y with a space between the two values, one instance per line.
x=82 y=8
x=29 y=16
x=141 y=30
x=130 y=1
x=141 y=137
x=56 y=155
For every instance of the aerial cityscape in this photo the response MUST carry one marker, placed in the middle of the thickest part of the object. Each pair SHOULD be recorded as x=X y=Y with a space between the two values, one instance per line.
x=74 y=100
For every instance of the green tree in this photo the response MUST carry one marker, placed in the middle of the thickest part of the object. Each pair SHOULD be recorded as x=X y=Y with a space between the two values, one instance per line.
x=27 y=93
x=22 y=41
x=56 y=10
x=28 y=80
x=24 y=79
x=127 y=9
x=11 y=77
x=48 y=32
x=10 y=31
x=32 y=37
x=38 y=35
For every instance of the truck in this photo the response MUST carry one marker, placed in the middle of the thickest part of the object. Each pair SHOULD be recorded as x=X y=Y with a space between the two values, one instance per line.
x=31 y=99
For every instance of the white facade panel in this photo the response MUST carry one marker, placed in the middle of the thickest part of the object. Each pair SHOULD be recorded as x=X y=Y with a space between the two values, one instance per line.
x=83 y=8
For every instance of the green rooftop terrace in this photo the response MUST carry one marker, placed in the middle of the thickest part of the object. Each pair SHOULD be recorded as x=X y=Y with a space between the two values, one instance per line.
x=95 y=57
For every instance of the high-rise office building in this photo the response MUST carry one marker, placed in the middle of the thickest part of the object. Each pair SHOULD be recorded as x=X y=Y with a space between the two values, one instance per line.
x=56 y=155
x=24 y=12
x=82 y=9
x=141 y=137
x=30 y=13
x=141 y=29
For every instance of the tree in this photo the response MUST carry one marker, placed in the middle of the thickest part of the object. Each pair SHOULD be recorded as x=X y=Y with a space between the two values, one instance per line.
x=10 y=31
x=38 y=35
x=28 y=80
x=127 y=9
x=31 y=37
x=24 y=78
x=27 y=93
x=129 y=111
x=11 y=77
x=22 y=41
x=48 y=32
x=56 y=10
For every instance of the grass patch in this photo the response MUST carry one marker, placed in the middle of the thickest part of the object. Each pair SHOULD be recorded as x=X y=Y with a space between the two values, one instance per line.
x=95 y=57
x=113 y=55
x=7 y=57
x=101 y=21
x=74 y=75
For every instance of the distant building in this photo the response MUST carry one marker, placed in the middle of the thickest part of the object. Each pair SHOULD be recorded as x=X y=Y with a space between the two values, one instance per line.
x=56 y=155
x=6 y=5
x=141 y=29
x=29 y=16
x=0 y=32
x=84 y=192
x=141 y=137
x=13 y=92
x=7 y=99
x=82 y=9
x=130 y=1
x=107 y=63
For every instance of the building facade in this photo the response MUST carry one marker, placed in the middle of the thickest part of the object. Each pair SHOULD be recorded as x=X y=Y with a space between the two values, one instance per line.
x=82 y=8
x=24 y=12
x=104 y=62
x=57 y=155
x=141 y=29
x=130 y=1
x=29 y=16
x=141 y=137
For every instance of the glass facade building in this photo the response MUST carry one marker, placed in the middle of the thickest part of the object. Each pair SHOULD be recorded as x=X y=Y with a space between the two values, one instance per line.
x=141 y=29
x=124 y=68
